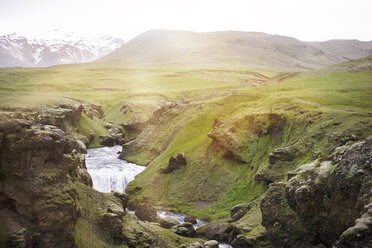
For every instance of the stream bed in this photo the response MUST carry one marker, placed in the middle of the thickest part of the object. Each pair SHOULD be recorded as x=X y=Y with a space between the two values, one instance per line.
x=110 y=173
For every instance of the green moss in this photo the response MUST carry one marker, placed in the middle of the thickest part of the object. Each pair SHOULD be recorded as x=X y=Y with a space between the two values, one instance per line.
x=346 y=233
x=86 y=236
x=87 y=125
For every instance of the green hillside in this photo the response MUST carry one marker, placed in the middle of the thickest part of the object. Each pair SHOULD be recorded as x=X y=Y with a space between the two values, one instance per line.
x=233 y=48
x=226 y=120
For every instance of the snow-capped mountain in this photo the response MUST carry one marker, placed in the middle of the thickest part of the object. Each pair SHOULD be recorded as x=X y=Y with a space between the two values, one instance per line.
x=53 y=48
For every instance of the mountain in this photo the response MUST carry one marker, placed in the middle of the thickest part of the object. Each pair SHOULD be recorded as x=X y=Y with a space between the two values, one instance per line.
x=347 y=49
x=53 y=48
x=235 y=48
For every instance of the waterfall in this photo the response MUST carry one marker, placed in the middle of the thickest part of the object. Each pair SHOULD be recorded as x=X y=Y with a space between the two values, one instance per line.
x=107 y=171
x=110 y=173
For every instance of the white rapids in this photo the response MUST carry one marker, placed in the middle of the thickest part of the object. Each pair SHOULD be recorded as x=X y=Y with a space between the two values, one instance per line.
x=107 y=171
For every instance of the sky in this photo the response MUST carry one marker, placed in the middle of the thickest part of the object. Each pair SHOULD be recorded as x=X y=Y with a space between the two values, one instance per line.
x=307 y=20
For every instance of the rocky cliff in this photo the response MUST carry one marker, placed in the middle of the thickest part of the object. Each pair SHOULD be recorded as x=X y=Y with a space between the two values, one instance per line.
x=324 y=203
x=46 y=194
x=39 y=165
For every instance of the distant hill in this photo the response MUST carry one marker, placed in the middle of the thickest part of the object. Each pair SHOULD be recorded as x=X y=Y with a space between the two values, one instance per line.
x=363 y=64
x=54 y=48
x=347 y=49
x=235 y=48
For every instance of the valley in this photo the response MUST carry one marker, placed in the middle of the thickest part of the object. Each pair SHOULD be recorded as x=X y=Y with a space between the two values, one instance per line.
x=247 y=148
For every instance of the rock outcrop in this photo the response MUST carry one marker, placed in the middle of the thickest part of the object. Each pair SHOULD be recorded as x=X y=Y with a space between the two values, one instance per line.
x=323 y=204
x=146 y=212
x=175 y=163
x=190 y=219
x=167 y=222
x=238 y=211
x=216 y=231
x=279 y=160
x=116 y=135
x=39 y=164
x=185 y=229
x=226 y=136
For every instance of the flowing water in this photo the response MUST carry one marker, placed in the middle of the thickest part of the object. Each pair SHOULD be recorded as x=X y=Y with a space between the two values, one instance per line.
x=110 y=173
x=107 y=171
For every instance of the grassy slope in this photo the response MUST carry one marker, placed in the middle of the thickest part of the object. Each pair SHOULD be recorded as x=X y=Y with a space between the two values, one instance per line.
x=210 y=185
x=113 y=85
x=321 y=111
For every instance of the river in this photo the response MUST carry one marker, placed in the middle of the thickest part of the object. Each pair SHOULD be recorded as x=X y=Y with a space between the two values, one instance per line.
x=110 y=173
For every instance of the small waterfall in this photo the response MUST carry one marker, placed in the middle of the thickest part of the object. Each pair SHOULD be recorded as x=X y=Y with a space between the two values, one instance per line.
x=110 y=173
x=107 y=171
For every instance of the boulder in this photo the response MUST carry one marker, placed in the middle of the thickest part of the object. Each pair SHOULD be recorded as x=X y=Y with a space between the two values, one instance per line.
x=107 y=141
x=167 y=222
x=279 y=160
x=240 y=241
x=146 y=212
x=238 y=211
x=190 y=219
x=185 y=229
x=175 y=163
x=281 y=154
x=124 y=198
x=215 y=231
x=211 y=244
x=192 y=245
x=113 y=224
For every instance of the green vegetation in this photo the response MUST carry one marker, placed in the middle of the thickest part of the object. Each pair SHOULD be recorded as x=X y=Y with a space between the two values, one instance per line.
x=86 y=126
x=310 y=113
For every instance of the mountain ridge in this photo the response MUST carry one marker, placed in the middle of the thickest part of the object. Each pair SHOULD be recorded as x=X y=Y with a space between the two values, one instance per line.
x=53 y=48
x=253 y=49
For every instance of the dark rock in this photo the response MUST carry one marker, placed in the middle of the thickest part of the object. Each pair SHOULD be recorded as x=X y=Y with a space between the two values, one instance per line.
x=167 y=222
x=324 y=203
x=281 y=154
x=39 y=166
x=146 y=212
x=91 y=136
x=215 y=231
x=124 y=198
x=238 y=211
x=279 y=160
x=240 y=241
x=132 y=204
x=107 y=141
x=190 y=219
x=185 y=229
x=175 y=163
x=113 y=224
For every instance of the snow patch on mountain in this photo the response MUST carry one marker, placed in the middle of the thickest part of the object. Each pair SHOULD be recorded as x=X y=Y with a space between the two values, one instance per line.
x=53 y=48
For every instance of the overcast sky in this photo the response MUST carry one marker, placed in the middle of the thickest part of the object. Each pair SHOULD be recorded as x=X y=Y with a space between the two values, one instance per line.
x=303 y=19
